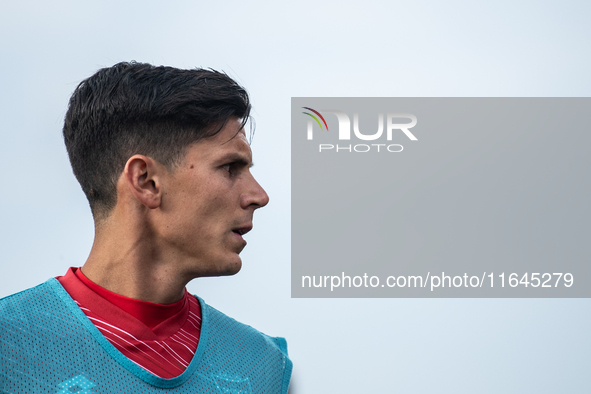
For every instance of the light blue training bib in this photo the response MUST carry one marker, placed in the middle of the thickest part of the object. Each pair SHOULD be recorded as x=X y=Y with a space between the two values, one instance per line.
x=48 y=345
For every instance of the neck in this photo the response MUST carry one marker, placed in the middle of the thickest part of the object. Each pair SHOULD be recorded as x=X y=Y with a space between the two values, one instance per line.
x=126 y=258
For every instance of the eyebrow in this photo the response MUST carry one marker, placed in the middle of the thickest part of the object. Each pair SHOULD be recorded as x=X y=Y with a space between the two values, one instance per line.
x=237 y=158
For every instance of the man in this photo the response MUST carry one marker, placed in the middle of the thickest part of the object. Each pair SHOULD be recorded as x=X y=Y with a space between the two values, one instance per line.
x=162 y=156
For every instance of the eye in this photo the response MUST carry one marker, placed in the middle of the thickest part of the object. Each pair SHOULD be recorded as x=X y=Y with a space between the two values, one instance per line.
x=230 y=167
x=234 y=168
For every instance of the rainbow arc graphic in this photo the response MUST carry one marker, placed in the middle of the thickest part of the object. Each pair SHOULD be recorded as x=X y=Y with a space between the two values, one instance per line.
x=315 y=118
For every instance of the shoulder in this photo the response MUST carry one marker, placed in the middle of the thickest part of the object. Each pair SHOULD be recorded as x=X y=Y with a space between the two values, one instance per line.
x=238 y=345
x=229 y=327
x=44 y=305
x=28 y=299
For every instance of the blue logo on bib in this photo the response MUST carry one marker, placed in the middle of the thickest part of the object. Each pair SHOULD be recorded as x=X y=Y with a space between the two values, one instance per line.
x=78 y=384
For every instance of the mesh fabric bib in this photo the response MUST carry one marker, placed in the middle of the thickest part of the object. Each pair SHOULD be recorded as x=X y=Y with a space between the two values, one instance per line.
x=47 y=345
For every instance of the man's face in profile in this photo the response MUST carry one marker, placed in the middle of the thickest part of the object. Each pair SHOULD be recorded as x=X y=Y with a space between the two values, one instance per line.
x=209 y=201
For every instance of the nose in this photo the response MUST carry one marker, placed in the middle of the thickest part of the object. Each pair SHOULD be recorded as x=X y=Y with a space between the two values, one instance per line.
x=255 y=196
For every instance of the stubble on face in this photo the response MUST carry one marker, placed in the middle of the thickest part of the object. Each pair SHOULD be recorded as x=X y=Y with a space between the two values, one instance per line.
x=209 y=203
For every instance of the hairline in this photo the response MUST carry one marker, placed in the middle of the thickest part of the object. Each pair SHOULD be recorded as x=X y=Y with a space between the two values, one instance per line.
x=102 y=213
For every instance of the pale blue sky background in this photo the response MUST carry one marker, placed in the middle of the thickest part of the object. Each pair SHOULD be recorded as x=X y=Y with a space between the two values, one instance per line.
x=279 y=50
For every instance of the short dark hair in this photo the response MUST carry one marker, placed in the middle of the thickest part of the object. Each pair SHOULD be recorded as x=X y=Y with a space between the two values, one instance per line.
x=137 y=108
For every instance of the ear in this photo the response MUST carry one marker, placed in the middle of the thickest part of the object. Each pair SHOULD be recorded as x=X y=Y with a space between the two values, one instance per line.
x=142 y=175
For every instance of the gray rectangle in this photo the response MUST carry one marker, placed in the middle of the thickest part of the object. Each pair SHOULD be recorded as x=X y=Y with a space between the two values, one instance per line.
x=440 y=197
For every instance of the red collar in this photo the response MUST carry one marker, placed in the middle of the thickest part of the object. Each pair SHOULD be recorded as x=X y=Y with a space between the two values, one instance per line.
x=147 y=319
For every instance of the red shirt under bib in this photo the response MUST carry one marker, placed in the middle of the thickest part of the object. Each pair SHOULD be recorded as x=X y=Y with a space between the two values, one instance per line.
x=162 y=339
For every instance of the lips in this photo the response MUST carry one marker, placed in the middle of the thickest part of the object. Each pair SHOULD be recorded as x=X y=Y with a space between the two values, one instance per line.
x=239 y=232
x=242 y=230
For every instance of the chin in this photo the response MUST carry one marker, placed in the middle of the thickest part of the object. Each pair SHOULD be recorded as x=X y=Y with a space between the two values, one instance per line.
x=232 y=270
x=228 y=268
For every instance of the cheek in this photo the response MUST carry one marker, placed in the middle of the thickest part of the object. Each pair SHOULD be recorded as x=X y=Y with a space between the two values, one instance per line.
x=208 y=216
x=203 y=206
